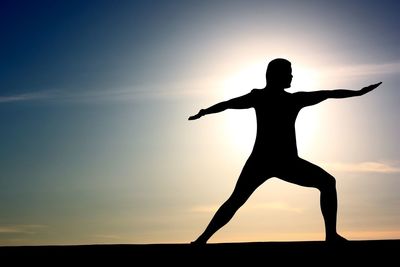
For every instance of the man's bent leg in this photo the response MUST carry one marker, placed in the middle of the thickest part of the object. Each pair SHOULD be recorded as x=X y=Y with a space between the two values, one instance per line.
x=307 y=174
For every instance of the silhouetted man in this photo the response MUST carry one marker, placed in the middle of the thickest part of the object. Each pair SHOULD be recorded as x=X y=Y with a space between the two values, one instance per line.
x=275 y=151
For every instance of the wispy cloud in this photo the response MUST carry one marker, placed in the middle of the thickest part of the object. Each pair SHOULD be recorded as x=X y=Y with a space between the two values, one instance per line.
x=21 y=229
x=205 y=208
x=107 y=237
x=26 y=97
x=370 y=166
x=130 y=94
x=364 y=70
x=282 y=206
x=103 y=95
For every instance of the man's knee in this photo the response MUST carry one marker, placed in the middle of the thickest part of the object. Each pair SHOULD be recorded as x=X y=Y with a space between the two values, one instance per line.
x=327 y=183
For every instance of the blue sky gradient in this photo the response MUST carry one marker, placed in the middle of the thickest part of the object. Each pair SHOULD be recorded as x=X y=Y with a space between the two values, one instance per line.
x=95 y=146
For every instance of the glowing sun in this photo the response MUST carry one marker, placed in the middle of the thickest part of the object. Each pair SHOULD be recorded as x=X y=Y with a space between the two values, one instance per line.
x=241 y=124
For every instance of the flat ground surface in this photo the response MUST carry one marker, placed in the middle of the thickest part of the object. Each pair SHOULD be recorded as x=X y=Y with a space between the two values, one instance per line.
x=316 y=253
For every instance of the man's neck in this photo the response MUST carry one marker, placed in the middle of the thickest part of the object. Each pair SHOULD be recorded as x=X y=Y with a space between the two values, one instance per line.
x=277 y=89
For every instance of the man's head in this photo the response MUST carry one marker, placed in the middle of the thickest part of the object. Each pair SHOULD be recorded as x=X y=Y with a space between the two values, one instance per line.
x=279 y=73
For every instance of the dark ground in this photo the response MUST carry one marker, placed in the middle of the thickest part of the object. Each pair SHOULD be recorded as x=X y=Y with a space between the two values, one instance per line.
x=313 y=253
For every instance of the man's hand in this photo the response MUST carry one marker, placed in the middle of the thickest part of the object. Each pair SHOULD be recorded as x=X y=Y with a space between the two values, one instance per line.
x=369 y=88
x=198 y=115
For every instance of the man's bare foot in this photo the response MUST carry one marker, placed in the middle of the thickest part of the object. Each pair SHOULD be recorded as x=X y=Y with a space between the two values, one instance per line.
x=198 y=242
x=336 y=239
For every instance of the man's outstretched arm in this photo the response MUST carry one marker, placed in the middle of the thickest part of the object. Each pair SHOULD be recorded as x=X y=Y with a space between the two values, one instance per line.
x=240 y=102
x=312 y=98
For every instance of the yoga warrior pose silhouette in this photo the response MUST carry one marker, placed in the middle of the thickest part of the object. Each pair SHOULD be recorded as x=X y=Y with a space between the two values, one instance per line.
x=275 y=151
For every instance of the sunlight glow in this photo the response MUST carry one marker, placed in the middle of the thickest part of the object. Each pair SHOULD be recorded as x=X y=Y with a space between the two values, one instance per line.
x=241 y=125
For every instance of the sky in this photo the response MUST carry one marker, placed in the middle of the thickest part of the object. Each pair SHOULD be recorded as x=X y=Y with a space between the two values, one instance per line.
x=95 y=145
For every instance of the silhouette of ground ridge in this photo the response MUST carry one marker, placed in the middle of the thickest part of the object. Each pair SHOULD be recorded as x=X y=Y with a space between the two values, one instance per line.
x=304 y=252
